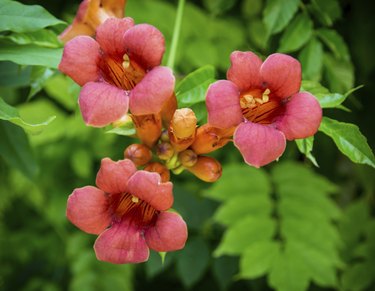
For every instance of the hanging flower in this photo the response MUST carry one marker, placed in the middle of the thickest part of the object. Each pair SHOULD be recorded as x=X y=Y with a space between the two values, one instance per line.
x=118 y=70
x=128 y=212
x=90 y=14
x=263 y=101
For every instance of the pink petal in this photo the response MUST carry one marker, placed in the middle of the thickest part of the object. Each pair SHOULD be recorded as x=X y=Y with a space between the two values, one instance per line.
x=259 y=144
x=121 y=244
x=302 y=116
x=110 y=35
x=223 y=105
x=80 y=60
x=244 y=71
x=147 y=186
x=168 y=234
x=281 y=74
x=102 y=104
x=149 y=96
x=88 y=209
x=113 y=176
x=146 y=44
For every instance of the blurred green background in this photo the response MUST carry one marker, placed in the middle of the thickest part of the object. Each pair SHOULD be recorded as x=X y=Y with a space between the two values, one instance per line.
x=289 y=226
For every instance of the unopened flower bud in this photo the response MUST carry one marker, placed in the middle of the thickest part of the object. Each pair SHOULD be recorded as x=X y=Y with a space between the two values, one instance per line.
x=169 y=107
x=207 y=169
x=139 y=154
x=159 y=168
x=164 y=151
x=164 y=135
x=188 y=158
x=184 y=123
x=209 y=139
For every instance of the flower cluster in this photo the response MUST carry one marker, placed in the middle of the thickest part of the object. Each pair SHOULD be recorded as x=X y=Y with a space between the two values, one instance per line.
x=259 y=107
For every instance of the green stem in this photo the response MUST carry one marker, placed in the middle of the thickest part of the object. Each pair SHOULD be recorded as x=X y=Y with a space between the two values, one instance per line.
x=176 y=34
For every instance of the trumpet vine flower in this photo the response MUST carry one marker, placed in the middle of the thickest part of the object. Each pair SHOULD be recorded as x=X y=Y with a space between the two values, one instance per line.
x=119 y=70
x=262 y=100
x=128 y=212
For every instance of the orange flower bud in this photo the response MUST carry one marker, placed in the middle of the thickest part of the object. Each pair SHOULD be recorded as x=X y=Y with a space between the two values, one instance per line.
x=209 y=138
x=159 y=168
x=187 y=158
x=148 y=128
x=184 y=123
x=164 y=151
x=139 y=154
x=182 y=129
x=207 y=169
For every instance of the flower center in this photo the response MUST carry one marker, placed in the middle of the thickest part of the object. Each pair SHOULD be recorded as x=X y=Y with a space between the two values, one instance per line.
x=258 y=107
x=123 y=73
x=139 y=210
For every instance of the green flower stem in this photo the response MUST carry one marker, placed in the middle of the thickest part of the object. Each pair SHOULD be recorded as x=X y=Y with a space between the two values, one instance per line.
x=176 y=34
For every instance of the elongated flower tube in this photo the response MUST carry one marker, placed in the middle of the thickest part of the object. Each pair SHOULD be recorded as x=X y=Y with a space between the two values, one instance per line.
x=90 y=14
x=262 y=101
x=119 y=70
x=128 y=212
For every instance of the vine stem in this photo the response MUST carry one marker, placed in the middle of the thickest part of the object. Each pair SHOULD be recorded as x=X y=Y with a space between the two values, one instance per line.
x=176 y=34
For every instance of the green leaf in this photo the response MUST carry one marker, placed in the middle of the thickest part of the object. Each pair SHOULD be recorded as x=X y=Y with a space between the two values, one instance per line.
x=82 y=162
x=239 y=207
x=44 y=38
x=244 y=234
x=278 y=13
x=297 y=34
x=155 y=266
x=311 y=58
x=192 y=261
x=64 y=90
x=288 y=273
x=13 y=75
x=231 y=184
x=126 y=130
x=39 y=76
x=30 y=54
x=224 y=269
x=257 y=31
x=349 y=141
x=18 y=17
x=305 y=146
x=11 y=114
x=15 y=149
x=250 y=8
x=339 y=73
x=217 y=7
x=326 y=11
x=257 y=259
x=359 y=277
x=192 y=89
x=334 y=42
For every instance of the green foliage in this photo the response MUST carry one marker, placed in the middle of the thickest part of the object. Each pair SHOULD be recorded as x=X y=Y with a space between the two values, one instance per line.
x=11 y=114
x=297 y=34
x=278 y=13
x=30 y=54
x=301 y=251
x=305 y=146
x=15 y=149
x=349 y=140
x=23 y=18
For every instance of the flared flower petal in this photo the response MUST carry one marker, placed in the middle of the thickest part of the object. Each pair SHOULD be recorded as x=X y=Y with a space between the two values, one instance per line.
x=301 y=118
x=168 y=234
x=121 y=244
x=282 y=75
x=80 y=60
x=110 y=35
x=145 y=44
x=223 y=106
x=113 y=176
x=148 y=187
x=149 y=96
x=259 y=144
x=88 y=209
x=244 y=70
x=102 y=104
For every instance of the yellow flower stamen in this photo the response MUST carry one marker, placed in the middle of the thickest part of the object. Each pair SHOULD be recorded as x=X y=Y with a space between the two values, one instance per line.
x=135 y=199
x=126 y=62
